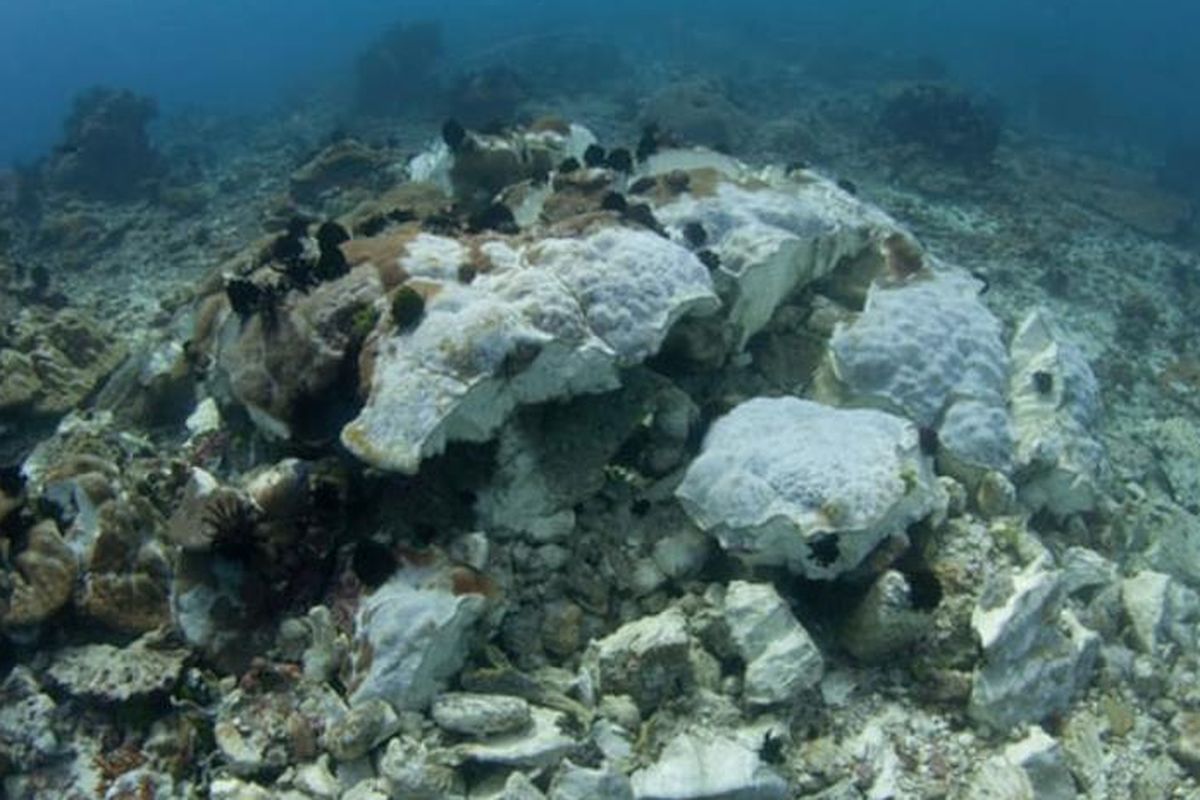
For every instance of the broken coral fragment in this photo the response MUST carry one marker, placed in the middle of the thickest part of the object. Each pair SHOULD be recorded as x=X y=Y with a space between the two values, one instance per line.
x=41 y=578
x=412 y=635
x=1055 y=403
x=107 y=674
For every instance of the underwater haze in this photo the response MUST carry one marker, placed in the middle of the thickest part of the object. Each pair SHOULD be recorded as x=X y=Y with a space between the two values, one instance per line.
x=624 y=399
x=1122 y=72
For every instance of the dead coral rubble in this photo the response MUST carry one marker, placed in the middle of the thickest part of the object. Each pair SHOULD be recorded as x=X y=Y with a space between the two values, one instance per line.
x=549 y=472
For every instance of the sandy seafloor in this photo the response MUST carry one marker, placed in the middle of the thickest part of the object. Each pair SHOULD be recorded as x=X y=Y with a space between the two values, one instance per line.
x=1050 y=224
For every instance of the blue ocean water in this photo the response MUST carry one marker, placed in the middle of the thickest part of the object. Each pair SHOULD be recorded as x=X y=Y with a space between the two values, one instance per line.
x=1123 y=72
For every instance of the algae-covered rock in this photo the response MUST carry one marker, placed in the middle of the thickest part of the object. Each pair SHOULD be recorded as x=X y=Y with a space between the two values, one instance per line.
x=341 y=165
x=281 y=367
x=646 y=659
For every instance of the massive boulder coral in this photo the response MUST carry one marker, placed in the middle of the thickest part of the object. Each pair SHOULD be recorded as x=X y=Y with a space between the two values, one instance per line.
x=548 y=320
x=929 y=349
x=789 y=482
x=771 y=232
x=280 y=365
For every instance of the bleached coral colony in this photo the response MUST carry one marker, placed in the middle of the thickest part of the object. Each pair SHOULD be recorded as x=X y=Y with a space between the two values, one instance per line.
x=607 y=487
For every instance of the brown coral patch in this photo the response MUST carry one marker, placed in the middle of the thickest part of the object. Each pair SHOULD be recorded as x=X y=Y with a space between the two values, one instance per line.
x=903 y=256
x=41 y=579
x=551 y=124
x=136 y=602
x=127 y=575
x=419 y=199
x=383 y=252
x=464 y=580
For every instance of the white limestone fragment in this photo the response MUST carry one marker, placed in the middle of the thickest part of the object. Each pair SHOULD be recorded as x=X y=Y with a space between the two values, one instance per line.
x=1032 y=768
x=708 y=766
x=541 y=744
x=111 y=674
x=560 y=318
x=873 y=748
x=928 y=349
x=1029 y=668
x=236 y=789
x=480 y=715
x=204 y=419
x=317 y=780
x=1042 y=760
x=1160 y=609
x=518 y=786
x=999 y=779
x=1086 y=569
x=783 y=481
x=1055 y=404
x=1170 y=536
x=781 y=658
x=573 y=782
x=361 y=729
x=368 y=789
x=411 y=635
